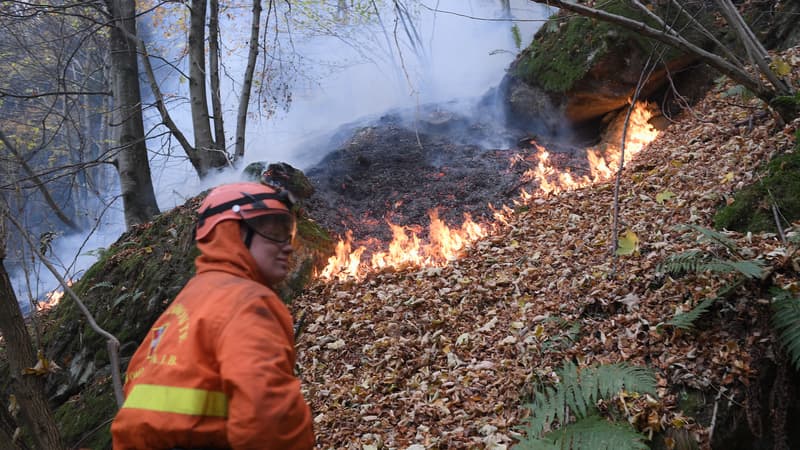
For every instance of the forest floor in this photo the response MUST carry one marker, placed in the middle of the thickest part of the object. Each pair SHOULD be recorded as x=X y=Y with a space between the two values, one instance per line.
x=448 y=357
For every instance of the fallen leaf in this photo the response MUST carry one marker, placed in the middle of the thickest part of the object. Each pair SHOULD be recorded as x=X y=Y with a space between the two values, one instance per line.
x=661 y=197
x=628 y=244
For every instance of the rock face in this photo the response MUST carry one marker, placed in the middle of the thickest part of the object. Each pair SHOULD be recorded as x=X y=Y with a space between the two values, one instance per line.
x=577 y=70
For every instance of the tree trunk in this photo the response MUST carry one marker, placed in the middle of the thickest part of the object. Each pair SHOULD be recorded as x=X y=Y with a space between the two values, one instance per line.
x=29 y=389
x=136 y=185
x=208 y=154
x=247 y=84
x=213 y=61
x=506 y=5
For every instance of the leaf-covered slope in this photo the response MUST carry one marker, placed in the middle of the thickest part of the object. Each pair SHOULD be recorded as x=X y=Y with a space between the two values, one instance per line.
x=444 y=358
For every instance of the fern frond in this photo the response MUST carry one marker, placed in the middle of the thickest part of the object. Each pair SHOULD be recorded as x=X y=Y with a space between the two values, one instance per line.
x=752 y=268
x=684 y=262
x=612 y=378
x=786 y=320
x=545 y=409
x=595 y=433
x=714 y=236
x=580 y=389
x=686 y=320
x=696 y=261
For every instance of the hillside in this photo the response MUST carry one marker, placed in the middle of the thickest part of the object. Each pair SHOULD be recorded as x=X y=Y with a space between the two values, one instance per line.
x=446 y=357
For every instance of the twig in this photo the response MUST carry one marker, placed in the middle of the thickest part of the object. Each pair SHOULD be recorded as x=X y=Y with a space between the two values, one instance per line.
x=776 y=216
x=298 y=326
x=714 y=414
x=615 y=227
x=112 y=341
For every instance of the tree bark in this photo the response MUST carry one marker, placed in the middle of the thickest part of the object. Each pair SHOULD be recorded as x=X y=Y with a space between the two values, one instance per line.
x=29 y=389
x=136 y=184
x=213 y=62
x=247 y=84
x=208 y=154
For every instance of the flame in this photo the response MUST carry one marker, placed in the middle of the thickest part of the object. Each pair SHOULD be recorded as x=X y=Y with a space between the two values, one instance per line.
x=52 y=299
x=446 y=244
x=603 y=160
x=406 y=249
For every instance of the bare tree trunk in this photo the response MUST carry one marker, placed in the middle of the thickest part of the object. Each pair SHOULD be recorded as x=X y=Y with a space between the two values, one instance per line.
x=506 y=4
x=28 y=389
x=247 y=84
x=208 y=153
x=136 y=184
x=213 y=61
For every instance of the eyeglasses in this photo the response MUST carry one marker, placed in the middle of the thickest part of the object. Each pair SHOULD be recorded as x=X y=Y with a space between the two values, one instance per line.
x=277 y=228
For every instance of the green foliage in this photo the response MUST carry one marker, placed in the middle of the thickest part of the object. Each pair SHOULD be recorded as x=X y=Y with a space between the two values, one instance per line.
x=687 y=320
x=576 y=395
x=562 y=341
x=697 y=261
x=739 y=92
x=567 y=46
x=592 y=432
x=710 y=235
x=786 y=320
x=779 y=185
x=516 y=35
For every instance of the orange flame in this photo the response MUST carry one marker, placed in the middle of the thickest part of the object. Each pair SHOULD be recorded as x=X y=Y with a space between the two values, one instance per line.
x=603 y=161
x=406 y=249
x=446 y=244
x=52 y=299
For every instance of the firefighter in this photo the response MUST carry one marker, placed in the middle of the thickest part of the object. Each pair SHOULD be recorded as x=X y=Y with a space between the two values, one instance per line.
x=216 y=369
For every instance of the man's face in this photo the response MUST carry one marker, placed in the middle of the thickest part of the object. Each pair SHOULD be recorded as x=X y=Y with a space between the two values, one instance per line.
x=271 y=246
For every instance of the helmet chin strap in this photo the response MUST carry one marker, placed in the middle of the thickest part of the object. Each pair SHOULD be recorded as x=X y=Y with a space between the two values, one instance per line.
x=248 y=238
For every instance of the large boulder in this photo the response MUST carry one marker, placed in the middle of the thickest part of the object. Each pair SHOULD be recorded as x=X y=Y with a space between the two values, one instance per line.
x=578 y=69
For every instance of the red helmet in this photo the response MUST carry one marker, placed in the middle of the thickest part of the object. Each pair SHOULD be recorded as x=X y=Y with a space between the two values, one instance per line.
x=240 y=201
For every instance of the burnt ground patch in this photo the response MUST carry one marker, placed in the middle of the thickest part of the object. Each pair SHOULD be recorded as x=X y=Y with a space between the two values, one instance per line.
x=399 y=167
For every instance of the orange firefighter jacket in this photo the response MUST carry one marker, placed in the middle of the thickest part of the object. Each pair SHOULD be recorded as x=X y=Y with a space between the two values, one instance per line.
x=217 y=368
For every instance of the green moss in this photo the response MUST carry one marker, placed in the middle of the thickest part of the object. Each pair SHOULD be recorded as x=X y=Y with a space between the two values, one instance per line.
x=751 y=209
x=313 y=234
x=566 y=48
x=86 y=422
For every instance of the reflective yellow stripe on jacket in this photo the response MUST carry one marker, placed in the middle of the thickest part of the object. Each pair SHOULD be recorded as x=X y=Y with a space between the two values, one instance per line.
x=196 y=402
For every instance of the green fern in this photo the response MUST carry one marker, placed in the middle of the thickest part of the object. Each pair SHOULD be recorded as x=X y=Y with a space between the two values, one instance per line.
x=591 y=432
x=712 y=235
x=577 y=394
x=696 y=261
x=684 y=262
x=686 y=320
x=786 y=320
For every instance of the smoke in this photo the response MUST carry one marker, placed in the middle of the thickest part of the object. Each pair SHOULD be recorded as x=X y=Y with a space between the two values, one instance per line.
x=434 y=51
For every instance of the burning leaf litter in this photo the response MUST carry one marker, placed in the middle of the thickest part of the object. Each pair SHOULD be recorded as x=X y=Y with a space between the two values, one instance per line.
x=444 y=357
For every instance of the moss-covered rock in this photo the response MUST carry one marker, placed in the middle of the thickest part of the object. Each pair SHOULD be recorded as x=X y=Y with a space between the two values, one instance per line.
x=579 y=68
x=751 y=209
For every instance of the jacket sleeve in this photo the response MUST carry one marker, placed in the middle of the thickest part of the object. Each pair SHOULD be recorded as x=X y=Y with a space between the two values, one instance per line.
x=266 y=408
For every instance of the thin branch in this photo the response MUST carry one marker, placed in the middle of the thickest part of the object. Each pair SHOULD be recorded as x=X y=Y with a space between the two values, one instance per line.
x=42 y=188
x=111 y=340
x=648 y=69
